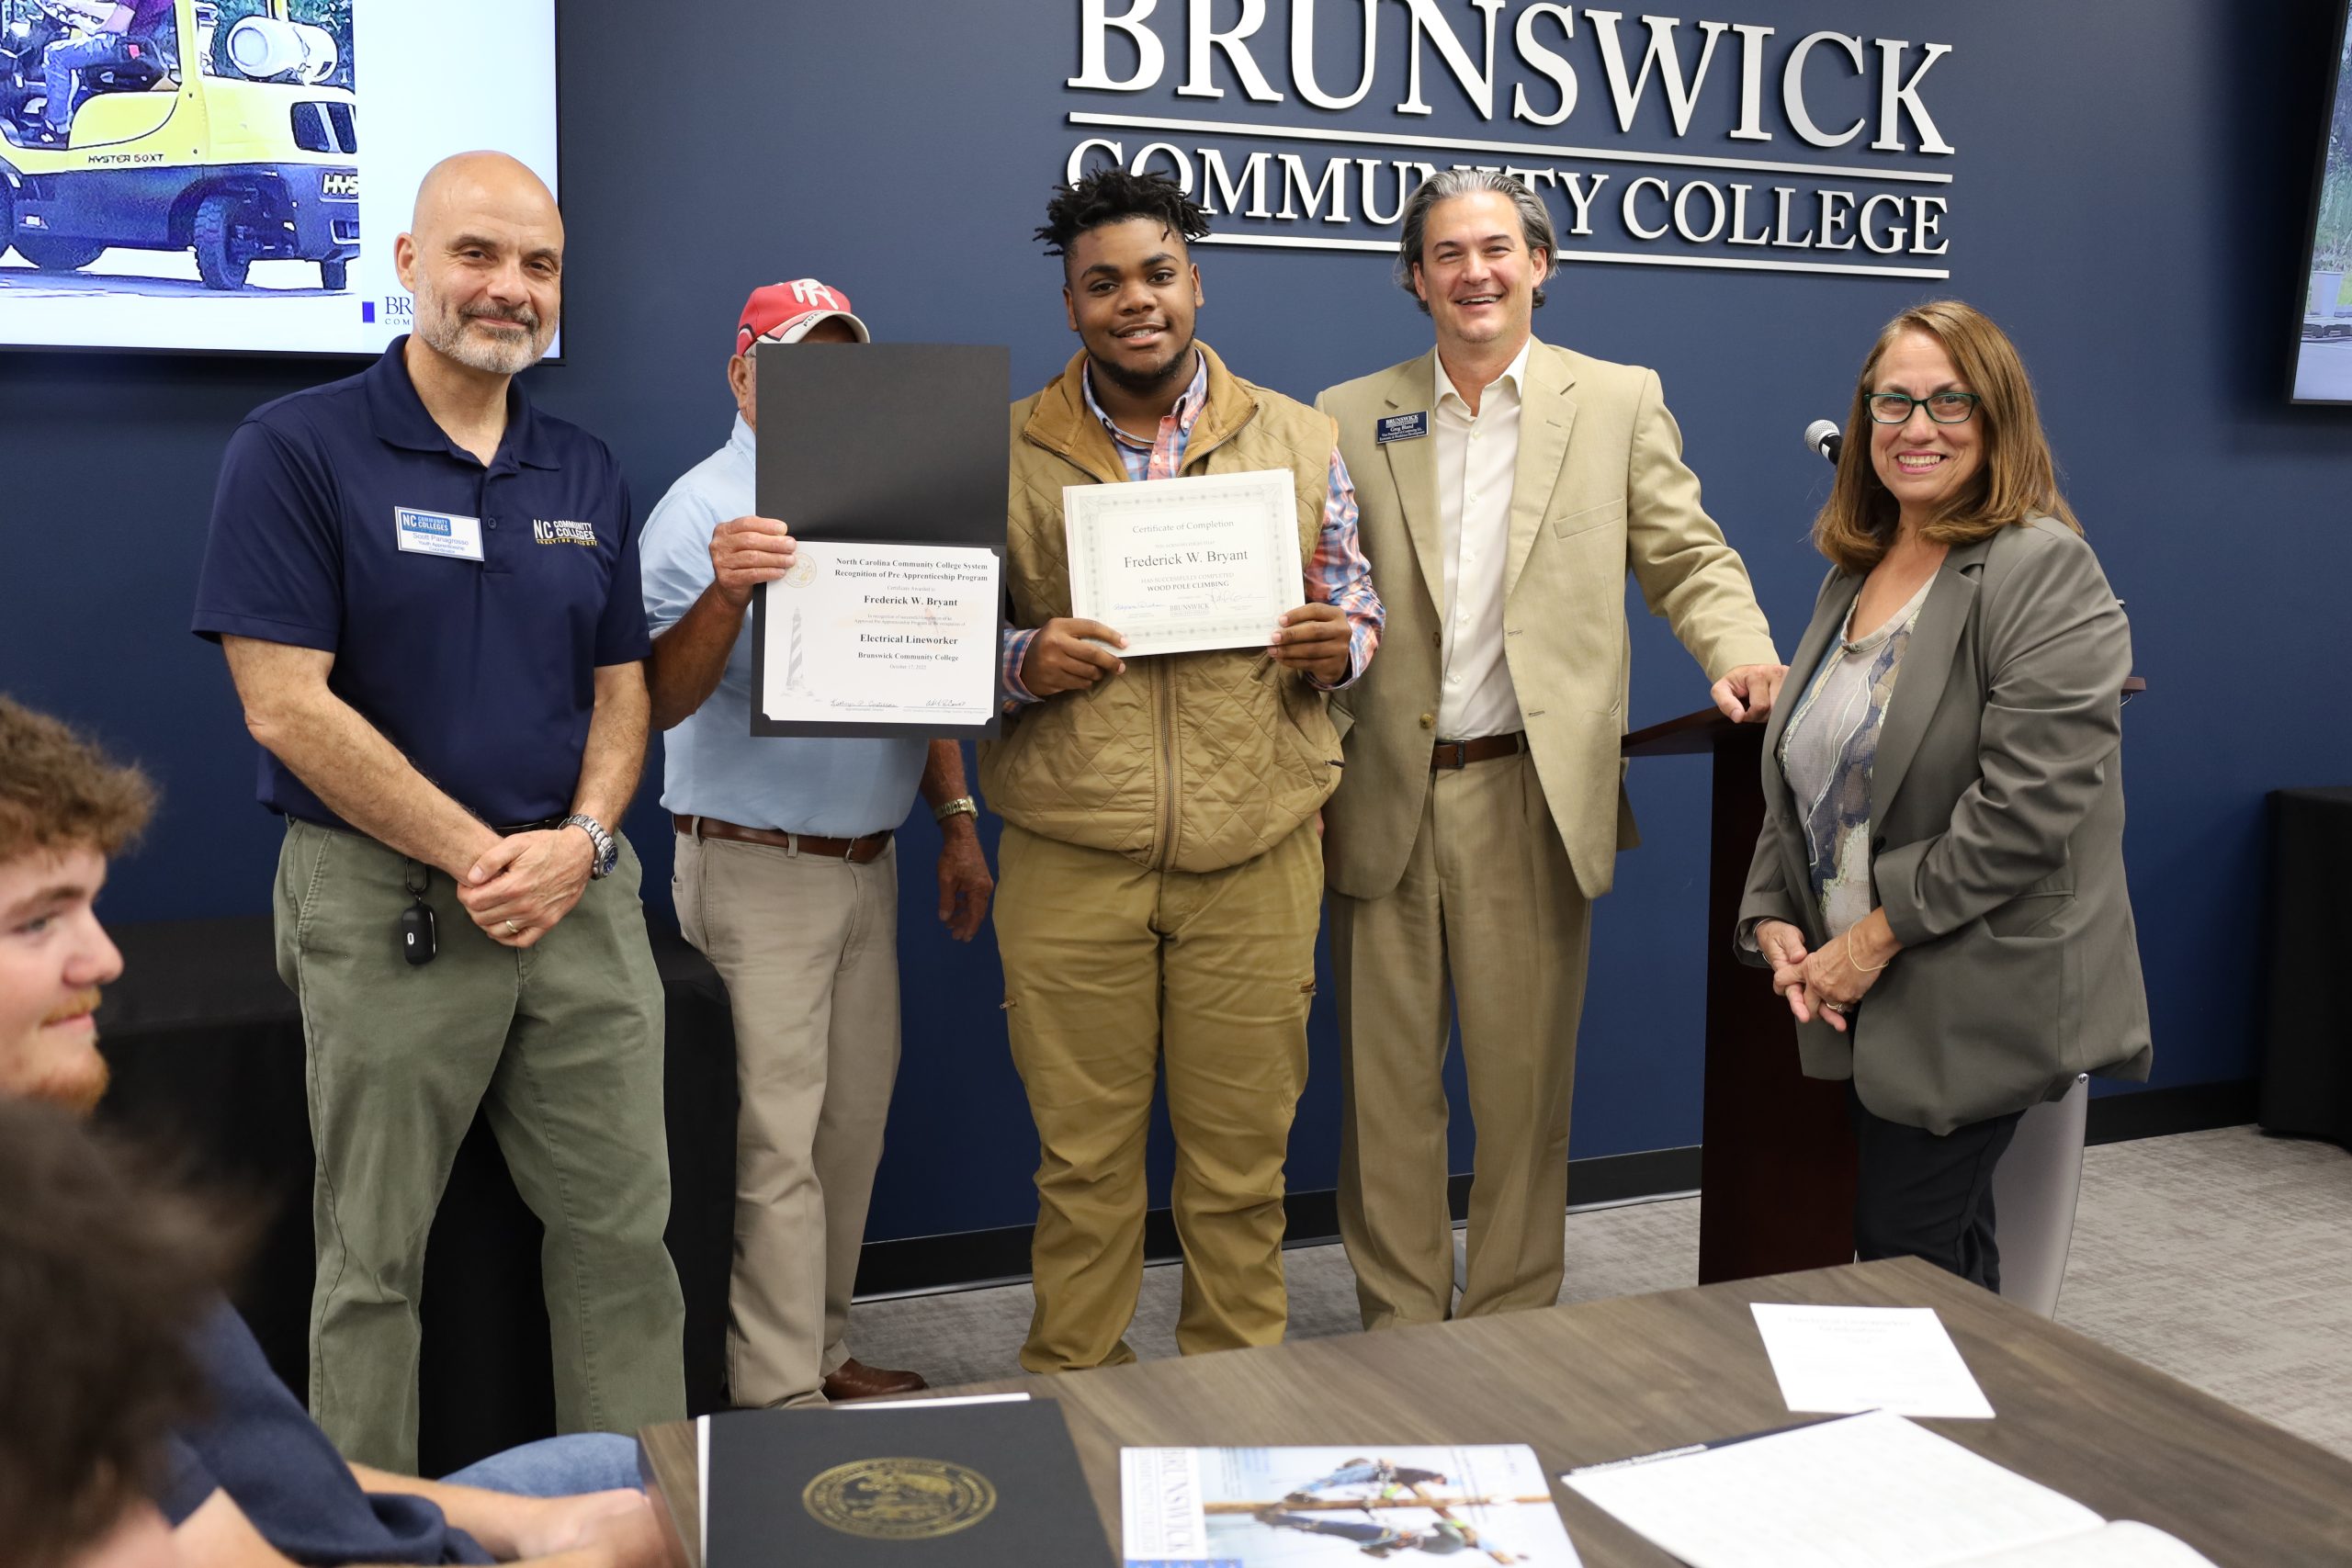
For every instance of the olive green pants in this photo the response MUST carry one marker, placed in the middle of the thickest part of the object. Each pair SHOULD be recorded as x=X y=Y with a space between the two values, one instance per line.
x=1112 y=971
x=561 y=1043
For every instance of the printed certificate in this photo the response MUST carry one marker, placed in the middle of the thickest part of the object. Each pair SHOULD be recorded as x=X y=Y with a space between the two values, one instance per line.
x=1174 y=565
x=881 y=634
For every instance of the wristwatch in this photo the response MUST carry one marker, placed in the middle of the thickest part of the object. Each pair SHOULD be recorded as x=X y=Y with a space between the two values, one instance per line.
x=608 y=853
x=962 y=805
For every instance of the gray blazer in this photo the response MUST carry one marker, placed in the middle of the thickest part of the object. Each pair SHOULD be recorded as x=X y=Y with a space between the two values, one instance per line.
x=1997 y=835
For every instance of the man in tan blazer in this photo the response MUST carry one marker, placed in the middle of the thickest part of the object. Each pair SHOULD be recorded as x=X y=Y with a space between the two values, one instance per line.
x=1506 y=488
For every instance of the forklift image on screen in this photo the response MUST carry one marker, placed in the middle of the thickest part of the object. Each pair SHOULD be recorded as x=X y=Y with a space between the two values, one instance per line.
x=230 y=130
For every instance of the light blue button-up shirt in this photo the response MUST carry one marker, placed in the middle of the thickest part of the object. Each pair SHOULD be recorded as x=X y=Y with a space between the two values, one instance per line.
x=714 y=765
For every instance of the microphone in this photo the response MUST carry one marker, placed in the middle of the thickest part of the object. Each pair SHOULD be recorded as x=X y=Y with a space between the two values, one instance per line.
x=1822 y=436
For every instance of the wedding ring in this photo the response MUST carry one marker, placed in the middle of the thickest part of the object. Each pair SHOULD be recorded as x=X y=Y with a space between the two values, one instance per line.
x=514 y=929
x=1834 y=1007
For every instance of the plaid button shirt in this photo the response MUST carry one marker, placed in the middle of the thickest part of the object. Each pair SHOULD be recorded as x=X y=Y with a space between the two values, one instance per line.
x=1337 y=574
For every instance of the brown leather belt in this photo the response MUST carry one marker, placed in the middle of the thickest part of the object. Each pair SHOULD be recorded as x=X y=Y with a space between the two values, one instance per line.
x=1462 y=753
x=857 y=851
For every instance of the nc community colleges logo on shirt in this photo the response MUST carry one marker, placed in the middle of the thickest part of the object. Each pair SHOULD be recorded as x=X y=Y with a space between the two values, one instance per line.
x=563 y=533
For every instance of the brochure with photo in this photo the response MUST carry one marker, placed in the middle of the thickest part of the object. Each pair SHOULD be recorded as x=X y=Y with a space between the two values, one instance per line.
x=1260 y=1507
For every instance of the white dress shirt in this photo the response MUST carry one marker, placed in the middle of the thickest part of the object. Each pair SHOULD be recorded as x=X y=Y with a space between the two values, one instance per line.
x=1477 y=456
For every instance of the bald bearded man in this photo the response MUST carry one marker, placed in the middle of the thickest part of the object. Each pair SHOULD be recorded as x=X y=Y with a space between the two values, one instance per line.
x=427 y=594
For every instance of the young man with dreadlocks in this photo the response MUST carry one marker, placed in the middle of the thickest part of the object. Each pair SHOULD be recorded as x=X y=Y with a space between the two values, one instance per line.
x=1161 y=876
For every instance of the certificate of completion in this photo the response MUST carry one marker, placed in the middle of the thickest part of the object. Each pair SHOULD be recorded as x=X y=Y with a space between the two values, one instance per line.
x=1174 y=565
x=881 y=634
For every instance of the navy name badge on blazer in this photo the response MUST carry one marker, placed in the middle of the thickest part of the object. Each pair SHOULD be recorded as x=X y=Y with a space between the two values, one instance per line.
x=1401 y=427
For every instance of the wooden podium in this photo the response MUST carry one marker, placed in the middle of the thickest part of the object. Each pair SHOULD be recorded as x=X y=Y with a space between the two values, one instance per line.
x=1776 y=1161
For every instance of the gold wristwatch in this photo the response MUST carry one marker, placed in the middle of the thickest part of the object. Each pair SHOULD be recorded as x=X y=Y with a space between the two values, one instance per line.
x=962 y=805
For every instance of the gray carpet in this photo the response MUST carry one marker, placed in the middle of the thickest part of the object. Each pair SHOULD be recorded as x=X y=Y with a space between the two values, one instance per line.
x=2222 y=1258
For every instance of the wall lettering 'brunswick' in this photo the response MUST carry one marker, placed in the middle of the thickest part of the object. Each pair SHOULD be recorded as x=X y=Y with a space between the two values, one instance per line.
x=1369 y=68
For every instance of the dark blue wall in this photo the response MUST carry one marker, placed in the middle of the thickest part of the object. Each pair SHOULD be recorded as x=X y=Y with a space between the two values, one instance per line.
x=2129 y=186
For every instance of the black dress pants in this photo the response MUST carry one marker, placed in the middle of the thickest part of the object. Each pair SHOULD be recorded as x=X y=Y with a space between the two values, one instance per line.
x=1919 y=1195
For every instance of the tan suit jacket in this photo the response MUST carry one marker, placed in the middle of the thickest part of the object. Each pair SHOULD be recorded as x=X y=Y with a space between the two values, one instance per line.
x=1601 y=489
x=1997 y=834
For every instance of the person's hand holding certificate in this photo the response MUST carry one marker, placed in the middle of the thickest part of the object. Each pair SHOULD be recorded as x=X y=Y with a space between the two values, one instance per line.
x=1068 y=654
x=1176 y=565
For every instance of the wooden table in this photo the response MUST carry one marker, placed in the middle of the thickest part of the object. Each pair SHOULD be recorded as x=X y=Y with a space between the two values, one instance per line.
x=1604 y=1380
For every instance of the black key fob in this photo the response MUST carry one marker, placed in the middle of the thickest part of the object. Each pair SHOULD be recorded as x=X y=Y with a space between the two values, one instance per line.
x=417 y=944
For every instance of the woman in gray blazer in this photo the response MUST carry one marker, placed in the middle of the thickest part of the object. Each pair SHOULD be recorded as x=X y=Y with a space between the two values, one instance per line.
x=1938 y=887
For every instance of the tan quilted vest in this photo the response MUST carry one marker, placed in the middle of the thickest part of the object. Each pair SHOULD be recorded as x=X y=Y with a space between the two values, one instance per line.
x=1189 y=762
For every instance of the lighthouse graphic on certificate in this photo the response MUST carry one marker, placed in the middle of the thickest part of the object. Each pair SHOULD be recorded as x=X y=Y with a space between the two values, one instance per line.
x=796 y=665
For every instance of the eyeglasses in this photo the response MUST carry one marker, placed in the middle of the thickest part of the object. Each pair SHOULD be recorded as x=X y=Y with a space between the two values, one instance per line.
x=1944 y=408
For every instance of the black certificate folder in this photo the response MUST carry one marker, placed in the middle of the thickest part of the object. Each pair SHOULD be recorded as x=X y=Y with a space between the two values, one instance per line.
x=887 y=444
x=971 y=1485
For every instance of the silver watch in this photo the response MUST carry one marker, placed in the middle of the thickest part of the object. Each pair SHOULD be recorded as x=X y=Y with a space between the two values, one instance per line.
x=608 y=853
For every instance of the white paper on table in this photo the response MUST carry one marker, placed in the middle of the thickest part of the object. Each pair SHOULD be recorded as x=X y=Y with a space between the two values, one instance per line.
x=1862 y=1492
x=2126 y=1543
x=1176 y=565
x=1842 y=1359
x=882 y=634
x=931 y=1404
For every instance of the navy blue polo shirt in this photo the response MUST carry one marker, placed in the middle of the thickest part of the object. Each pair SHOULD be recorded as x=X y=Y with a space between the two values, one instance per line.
x=342 y=522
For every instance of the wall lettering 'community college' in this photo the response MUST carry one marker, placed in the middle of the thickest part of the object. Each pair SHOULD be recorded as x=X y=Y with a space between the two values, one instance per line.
x=1310 y=135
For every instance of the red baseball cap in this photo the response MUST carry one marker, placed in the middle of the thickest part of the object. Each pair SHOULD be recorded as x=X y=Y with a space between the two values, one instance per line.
x=787 y=312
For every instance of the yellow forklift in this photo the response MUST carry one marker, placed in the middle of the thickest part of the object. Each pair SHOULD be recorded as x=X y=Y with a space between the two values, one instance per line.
x=229 y=129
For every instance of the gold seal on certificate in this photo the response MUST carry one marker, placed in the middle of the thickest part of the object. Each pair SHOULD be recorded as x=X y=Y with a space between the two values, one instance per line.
x=1177 y=565
x=889 y=634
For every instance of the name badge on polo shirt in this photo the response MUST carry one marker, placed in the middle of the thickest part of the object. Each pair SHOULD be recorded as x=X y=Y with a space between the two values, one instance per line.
x=437 y=534
x=1402 y=427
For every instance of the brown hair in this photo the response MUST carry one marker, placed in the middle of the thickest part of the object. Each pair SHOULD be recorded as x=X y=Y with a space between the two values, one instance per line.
x=2016 y=480
x=59 y=791
x=106 y=1268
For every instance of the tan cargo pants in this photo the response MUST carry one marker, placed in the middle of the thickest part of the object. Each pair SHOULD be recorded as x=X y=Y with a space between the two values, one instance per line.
x=1112 y=970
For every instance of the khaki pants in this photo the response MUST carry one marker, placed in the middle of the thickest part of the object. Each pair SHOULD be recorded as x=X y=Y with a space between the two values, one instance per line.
x=1110 y=971
x=1489 y=903
x=560 y=1045
x=808 y=947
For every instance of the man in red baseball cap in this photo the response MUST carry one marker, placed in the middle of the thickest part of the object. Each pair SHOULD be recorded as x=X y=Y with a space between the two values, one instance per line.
x=787 y=879
x=789 y=312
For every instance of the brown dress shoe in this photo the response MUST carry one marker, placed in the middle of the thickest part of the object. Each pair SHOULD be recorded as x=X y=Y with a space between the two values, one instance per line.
x=855 y=1380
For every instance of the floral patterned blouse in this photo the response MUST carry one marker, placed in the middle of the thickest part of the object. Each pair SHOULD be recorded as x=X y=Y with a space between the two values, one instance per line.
x=1826 y=752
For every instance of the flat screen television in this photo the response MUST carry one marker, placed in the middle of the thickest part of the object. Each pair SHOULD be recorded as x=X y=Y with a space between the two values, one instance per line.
x=198 y=180
x=2323 y=366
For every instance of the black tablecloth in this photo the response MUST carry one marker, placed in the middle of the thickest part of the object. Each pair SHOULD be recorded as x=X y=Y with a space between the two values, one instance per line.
x=2307 y=1046
x=206 y=1046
